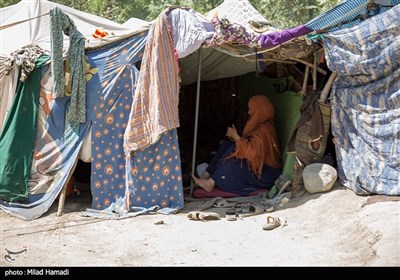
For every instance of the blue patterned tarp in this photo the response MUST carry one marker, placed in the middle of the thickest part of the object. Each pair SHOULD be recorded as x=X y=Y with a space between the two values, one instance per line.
x=116 y=181
x=349 y=13
x=366 y=103
x=155 y=176
x=156 y=170
x=55 y=151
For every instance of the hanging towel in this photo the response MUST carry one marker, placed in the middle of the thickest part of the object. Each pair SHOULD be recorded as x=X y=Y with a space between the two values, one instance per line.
x=60 y=23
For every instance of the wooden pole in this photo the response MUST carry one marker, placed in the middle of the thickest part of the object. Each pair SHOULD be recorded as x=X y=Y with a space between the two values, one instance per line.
x=306 y=74
x=196 y=121
x=327 y=88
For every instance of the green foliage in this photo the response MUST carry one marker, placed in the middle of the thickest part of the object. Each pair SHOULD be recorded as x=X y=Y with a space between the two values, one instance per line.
x=5 y=3
x=290 y=13
x=281 y=13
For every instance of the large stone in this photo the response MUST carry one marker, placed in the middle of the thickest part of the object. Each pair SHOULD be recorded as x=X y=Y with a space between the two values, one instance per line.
x=319 y=177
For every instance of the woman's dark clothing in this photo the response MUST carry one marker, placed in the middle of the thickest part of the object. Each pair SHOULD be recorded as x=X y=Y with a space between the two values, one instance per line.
x=234 y=175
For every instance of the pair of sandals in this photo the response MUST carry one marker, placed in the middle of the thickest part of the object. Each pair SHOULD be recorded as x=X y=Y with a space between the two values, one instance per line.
x=246 y=208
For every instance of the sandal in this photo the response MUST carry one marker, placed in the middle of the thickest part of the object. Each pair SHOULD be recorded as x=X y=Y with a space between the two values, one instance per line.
x=223 y=203
x=254 y=209
x=274 y=222
x=203 y=216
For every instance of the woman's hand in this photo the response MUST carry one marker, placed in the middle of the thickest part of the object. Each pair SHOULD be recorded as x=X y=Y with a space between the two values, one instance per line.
x=232 y=134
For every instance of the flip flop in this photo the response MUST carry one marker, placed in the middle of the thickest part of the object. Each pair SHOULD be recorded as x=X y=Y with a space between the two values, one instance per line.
x=268 y=206
x=222 y=203
x=203 y=216
x=274 y=222
x=254 y=209
x=209 y=203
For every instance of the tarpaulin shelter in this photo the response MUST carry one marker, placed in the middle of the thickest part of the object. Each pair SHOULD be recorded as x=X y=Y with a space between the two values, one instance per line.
x=133 y=115
x=32 y=178
x=361 y=44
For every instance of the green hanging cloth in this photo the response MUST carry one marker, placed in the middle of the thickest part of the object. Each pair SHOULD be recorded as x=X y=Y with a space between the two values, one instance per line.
x=17 y=139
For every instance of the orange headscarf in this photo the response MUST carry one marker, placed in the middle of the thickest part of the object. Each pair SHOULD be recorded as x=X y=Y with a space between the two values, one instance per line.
x=259 y=142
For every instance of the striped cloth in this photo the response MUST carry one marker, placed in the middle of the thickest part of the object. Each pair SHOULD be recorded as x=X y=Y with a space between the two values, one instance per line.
x=366 y=103
x=342 y=15
x=155 y=104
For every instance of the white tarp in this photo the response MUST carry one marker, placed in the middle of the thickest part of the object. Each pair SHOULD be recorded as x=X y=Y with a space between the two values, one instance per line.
x=220 y=62
x=240 y=12
x=136 y=22
x=29 y=22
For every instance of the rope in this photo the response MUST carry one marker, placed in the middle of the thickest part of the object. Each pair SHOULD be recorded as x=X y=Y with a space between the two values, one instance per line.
x=19 y=22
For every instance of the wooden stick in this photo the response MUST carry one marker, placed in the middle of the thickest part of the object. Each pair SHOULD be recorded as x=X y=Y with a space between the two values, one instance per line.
x=310 y=65
x=273 y=60
x=306 y=74
x=327 y=88
x=61 y=199
x=314 y=73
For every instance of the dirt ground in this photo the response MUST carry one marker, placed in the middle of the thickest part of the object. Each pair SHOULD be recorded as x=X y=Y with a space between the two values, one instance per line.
x=328 y=229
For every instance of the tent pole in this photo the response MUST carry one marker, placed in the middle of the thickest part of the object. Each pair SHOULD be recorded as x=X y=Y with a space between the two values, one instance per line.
x=196 y=120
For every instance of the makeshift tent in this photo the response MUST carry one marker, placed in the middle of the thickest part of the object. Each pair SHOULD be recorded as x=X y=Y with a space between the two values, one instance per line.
x=364 y=99
x=241 y=47
x=57 y=144
x=133 y=116
x=110 y=72
x=229 y=48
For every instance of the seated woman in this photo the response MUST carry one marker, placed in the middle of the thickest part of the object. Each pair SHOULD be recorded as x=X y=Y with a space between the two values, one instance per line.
x=250 y=162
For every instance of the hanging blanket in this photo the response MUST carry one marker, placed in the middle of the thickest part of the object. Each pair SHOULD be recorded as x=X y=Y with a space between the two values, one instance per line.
x=155 y=104
x=18 y=135
x=110 y=77
x=366 y=103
